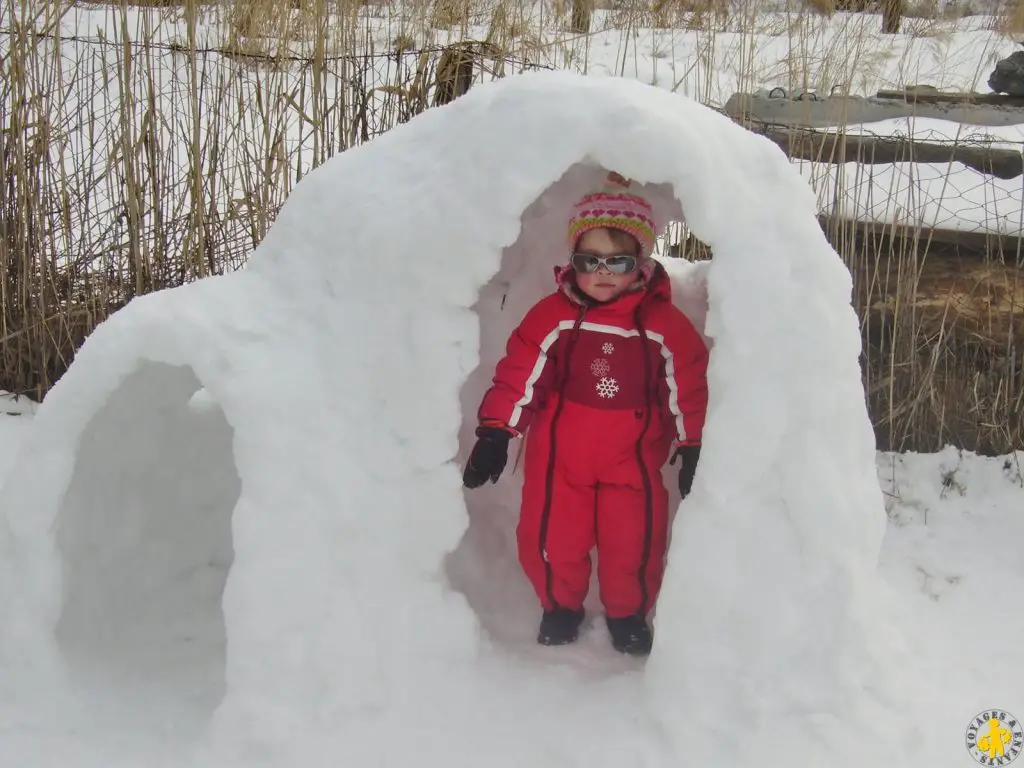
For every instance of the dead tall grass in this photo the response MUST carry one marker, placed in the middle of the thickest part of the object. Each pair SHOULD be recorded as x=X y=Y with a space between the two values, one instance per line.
x=943 y=336
x=160 y=149
x=944 y=342
x=1010 y=19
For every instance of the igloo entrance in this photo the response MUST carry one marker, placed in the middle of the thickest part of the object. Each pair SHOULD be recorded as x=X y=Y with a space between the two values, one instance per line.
x=144 y=537
x=484 y=567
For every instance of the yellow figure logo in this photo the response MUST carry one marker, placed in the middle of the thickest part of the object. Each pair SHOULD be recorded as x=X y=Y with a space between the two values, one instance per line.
x=995 y=742
x=995 y=737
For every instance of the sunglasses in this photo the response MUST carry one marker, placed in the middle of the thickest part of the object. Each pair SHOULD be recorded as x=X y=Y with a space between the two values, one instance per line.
x=620 y=264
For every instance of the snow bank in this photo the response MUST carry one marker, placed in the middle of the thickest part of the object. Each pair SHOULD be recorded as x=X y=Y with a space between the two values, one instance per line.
x=956 y=524
x=15 y=413
x=243 y=501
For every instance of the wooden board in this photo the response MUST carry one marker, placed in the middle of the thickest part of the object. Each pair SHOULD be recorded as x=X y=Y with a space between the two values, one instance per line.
x=835 y=148
x=931 y=96
x=830 y=111
x=979 y=245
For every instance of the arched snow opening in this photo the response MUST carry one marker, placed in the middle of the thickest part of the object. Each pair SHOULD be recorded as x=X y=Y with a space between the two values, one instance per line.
x=484 y=567
x=144 y=539
x=380 y=288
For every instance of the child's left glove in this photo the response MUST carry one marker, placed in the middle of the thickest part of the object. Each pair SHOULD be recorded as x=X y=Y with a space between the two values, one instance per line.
x=488 y=458
x=688 y=455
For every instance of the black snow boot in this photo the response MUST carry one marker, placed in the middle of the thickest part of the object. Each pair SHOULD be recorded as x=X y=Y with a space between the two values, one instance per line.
x=630 y=634
x=560 y=626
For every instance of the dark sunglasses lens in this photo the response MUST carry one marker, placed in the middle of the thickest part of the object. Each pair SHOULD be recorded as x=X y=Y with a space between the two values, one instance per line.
x=617 y=265
x=620 y=265
x=583 y=262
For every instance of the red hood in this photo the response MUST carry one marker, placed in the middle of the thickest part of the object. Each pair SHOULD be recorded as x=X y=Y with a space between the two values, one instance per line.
x=653 y=285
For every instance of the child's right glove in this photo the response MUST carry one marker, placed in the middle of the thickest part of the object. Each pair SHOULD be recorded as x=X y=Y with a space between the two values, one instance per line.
x=688 y=455
x=488 y=458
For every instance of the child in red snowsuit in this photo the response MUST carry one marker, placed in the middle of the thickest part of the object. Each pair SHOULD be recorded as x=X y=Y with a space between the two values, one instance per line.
x=609 y=378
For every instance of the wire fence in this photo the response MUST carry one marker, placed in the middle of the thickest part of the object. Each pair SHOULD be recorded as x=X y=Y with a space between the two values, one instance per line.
x=930 y=228
x=132 y=165
x=972 y=183
x=135 y=165
x=274 y=59
x=219 y=134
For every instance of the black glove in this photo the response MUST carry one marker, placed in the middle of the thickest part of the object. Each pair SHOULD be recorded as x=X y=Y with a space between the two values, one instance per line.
x=688 y=455
x=488 y=458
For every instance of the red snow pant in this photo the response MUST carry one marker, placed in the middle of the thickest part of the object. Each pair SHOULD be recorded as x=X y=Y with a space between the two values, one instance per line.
x=595 y=480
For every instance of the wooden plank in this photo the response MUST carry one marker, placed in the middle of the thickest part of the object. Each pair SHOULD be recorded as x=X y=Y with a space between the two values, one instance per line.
x=842 y=231
x=839 y=110
x=837 y=148
x=930 y=96
x=978 y=245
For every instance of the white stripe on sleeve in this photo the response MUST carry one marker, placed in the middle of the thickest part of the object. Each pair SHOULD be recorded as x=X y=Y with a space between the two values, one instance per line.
x=538 y=369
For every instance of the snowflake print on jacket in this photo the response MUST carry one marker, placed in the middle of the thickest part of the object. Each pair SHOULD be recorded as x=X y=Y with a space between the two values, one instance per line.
x=600 y=367
x=607 y=388
x=608 y=348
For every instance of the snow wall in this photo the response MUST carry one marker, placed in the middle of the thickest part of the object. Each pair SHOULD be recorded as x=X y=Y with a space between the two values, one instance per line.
x=245 y=497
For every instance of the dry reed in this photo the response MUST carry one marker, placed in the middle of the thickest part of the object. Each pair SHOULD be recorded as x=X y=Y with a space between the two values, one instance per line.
x=160 y=151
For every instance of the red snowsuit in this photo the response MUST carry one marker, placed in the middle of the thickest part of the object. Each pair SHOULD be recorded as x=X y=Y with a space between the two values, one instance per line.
x=605 y=391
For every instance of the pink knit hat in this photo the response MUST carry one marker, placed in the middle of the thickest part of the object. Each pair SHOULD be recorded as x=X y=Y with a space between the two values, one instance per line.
x=615 y=207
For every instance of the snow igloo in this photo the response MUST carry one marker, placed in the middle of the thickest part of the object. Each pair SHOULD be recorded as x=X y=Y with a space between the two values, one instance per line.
x=241 y=509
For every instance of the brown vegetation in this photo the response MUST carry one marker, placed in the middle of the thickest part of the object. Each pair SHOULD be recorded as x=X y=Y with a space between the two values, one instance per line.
x=179 y=171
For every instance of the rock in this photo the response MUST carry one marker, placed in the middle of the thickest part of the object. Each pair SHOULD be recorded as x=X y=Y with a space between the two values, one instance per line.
x=1008 y=76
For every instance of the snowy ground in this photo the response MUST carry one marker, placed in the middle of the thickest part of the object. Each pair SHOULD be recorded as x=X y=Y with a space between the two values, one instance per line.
x=952 y=550
x=15 y=419
x=951 y=553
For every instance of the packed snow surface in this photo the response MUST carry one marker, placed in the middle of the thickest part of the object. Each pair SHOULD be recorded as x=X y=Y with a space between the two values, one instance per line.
x=236 y=529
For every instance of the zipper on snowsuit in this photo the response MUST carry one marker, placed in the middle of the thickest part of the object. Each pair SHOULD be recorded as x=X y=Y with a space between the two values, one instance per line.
x=645 y=556
x=549 y=477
